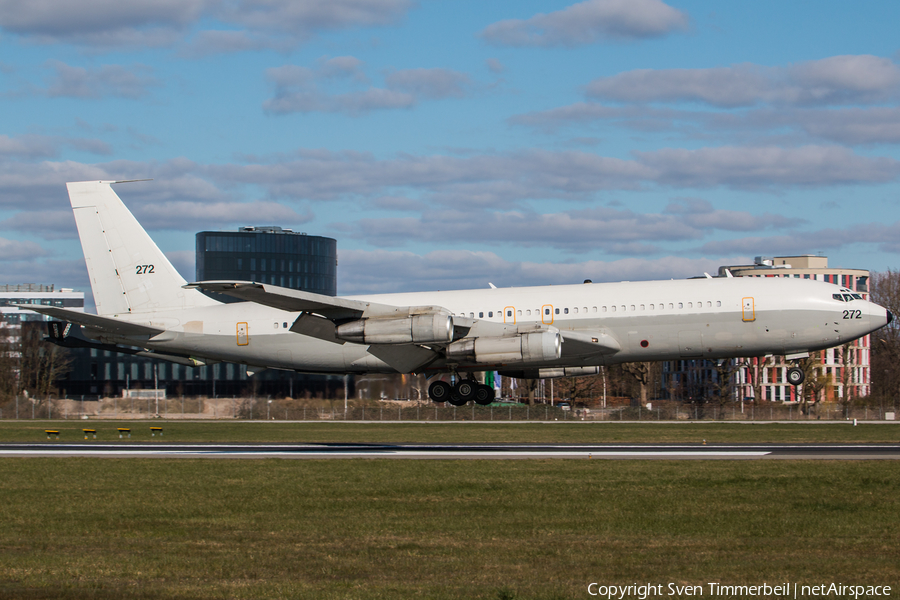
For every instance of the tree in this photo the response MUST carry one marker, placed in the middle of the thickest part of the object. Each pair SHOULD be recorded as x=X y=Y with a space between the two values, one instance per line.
x=814 y=383
x=640 y=371
x=9 y=366
x=40 y=363
x=885 y=360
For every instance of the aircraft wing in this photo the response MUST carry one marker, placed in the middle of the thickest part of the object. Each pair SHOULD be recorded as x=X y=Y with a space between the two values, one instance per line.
x=288 y=299
x=103 y=324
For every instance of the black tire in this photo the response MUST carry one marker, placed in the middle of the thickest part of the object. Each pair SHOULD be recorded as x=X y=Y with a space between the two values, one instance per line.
x=795 y=376
x=484 y=394
x=456 y=400
x=465 y=389
x=439 y=391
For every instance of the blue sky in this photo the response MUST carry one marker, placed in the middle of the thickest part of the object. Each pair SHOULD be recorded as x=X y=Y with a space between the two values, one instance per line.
x=446 y=145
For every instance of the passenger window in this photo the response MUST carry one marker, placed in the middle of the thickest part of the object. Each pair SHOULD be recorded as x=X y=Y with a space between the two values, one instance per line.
x=690 y=305
x=575 y=310
x=603 y=310
x=519 y=312
x=481 y=315
x=652 y=307
x=566 y=311
x=528 y=312
x=593 y=309
x=556 y=311
x=642 y=307
x=614 y=308
x=671 y=306
x=509 y=313
x=632 y=307
x=718 y=303
x=546 y=311
x=490 y=314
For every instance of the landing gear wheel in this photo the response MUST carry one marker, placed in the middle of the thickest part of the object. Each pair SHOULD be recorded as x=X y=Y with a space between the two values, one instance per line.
x=484 y=394
x=465 y=389
x=456 y=400
x=795 y=376
x=439 y=391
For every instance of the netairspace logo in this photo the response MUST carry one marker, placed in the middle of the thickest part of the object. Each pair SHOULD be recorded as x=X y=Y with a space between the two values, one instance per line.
x=719 y=590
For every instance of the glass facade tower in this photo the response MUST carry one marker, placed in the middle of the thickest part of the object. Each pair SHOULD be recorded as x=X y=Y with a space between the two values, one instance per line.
x=270 y=255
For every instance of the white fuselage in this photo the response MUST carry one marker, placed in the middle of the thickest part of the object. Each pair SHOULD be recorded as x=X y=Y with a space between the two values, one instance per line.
x=651 y=321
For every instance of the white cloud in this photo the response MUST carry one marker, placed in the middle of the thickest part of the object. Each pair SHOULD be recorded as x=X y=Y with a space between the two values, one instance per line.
x=108 y=24
x=12 y=250
x=741 y=85
x=34 y=146
x=108 y=80
x=384 y=271
x=305 y=89
x=605 y=229
x=194 y=216
x=760 y=167
x=589 y=22
x=101 y=23
x=841 y=80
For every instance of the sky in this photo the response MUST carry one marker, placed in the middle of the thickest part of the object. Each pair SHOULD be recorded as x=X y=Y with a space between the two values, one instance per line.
x=446 y=145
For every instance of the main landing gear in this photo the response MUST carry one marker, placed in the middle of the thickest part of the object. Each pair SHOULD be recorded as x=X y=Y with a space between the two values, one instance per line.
x=461 y=393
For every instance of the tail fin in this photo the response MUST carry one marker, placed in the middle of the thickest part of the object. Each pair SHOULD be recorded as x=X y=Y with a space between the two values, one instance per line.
x=129 y=273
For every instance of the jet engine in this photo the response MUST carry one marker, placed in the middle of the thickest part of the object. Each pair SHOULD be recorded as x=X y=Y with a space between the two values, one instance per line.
x=416 y=329
x=526 y=347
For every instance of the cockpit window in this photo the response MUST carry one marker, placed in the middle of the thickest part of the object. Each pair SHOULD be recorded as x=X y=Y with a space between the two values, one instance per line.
x=847 y=296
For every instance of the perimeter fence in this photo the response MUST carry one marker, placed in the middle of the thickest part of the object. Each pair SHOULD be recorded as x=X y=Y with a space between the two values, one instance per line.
x=405 y=410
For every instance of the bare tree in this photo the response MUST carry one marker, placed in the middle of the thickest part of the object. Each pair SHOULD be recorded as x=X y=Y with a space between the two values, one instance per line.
x=8 y=363
x=40 y=363
x=641 y=372
x=814 y=383
x=885 y=290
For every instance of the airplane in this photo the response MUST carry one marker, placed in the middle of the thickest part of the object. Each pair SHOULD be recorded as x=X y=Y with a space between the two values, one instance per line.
x=145 y=307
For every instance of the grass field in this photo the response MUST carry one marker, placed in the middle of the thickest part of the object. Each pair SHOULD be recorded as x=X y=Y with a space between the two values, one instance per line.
x=461 y=432
x=153 y=528
x=104 y=528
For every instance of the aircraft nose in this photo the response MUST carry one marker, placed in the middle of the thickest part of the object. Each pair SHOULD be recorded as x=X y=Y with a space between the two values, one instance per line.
x=890 y=316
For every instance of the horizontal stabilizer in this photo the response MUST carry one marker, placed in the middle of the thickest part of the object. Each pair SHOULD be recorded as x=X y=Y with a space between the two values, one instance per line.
x=102 y=324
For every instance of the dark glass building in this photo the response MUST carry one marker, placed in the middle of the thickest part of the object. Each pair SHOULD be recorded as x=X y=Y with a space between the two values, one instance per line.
x=270 y=255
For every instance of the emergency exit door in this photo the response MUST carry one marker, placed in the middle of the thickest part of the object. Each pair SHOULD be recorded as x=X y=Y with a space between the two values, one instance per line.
x=749 y=310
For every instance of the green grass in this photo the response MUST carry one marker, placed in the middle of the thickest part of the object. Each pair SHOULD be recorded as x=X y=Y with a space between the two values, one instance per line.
x=460 y=432
x=157 y=528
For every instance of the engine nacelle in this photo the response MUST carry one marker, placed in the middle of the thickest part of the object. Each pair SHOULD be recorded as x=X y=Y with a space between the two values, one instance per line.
x=416 y=329
x=526 y=347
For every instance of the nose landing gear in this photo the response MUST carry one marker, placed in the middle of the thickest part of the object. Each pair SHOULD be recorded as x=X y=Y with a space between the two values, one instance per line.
x=795 y=376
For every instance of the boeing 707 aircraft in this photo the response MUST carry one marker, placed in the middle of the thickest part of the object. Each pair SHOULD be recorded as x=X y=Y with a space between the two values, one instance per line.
x=145 y=307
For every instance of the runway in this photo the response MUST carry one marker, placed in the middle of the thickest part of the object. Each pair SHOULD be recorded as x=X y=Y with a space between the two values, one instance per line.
x=463 y=451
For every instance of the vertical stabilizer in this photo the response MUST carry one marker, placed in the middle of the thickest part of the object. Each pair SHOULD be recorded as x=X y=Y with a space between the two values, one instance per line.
x=129 y=273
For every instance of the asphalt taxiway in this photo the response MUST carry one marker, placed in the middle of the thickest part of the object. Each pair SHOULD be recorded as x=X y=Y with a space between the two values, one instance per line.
x=462 y=451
